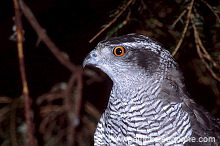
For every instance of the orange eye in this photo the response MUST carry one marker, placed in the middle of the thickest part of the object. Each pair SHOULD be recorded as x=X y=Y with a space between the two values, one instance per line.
x=119 y=51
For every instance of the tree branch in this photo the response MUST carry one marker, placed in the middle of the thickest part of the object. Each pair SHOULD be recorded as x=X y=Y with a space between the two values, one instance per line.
x=44 y=37
x=185 y=28
x=197 y=39
x=216 y=15
x=110 y=23
x=31 y=140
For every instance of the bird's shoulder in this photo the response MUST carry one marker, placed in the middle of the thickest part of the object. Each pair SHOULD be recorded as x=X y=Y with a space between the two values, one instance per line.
x=204 y=124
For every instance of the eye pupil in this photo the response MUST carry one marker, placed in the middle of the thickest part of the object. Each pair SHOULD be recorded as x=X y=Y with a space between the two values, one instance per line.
x=119 y=51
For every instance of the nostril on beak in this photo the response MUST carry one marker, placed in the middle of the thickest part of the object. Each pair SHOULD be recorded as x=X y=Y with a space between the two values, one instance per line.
x=93 y=54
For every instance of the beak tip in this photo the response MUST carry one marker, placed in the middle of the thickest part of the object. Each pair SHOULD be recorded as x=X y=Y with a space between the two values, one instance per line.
x=90 y=59
x=84 y=63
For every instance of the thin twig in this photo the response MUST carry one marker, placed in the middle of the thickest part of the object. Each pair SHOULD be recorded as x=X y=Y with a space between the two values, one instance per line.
x=69 y=109
x=13 y=123
x=207 y=55
x=18 y=23
x=177 y=20
x=127 y=18
x=44 y=37
x=211 y=10
x=89 y=108
x=49 y=97
x=3 y=111
x=78 y=97
x=4 y=99
x=185 y=28
x=110 y=23
x=196 y=35
x=48 y=117
x=73 y=117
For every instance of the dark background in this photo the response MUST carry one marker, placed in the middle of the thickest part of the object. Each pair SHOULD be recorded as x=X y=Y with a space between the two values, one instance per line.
x=71 y=24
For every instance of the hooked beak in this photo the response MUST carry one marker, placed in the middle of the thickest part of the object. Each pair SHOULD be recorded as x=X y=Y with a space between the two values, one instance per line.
x=91 y=59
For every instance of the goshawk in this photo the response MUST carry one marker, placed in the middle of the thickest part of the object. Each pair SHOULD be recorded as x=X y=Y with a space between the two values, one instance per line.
x=148 y=103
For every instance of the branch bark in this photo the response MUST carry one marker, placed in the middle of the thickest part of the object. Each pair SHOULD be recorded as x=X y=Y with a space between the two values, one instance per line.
x=45 y=38
x=185 y=28
x=110 y=23
x=30 y=137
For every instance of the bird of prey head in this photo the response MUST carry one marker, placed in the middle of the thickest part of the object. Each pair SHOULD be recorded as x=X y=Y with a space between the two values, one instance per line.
x=130 y=57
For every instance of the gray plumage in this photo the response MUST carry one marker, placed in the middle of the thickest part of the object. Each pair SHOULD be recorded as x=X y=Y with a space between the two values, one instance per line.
x=148 y=103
